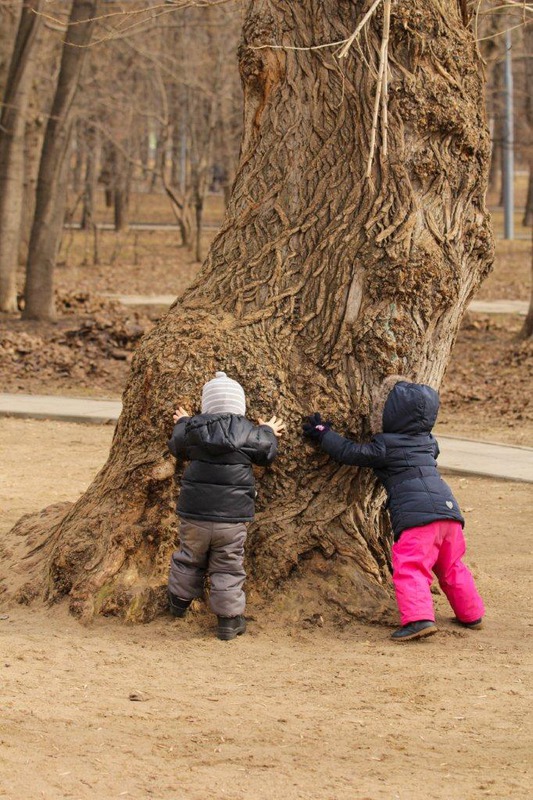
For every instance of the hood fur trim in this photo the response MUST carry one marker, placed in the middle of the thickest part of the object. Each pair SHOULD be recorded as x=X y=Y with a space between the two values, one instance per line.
x=379 y=398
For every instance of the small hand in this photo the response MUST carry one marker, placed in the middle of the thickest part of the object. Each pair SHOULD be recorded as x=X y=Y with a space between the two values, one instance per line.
x=179 y=413
x=277 y=425
x=315 y=427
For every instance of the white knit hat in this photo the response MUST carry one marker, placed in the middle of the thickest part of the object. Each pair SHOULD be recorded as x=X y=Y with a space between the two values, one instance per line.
x=222 y=395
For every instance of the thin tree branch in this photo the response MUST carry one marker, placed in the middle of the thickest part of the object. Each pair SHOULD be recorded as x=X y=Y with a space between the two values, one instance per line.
x=381 y=85
x=344 y=43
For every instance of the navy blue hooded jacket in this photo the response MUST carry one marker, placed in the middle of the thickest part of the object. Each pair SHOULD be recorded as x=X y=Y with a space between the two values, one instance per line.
x=404 y=458
x=218 y=485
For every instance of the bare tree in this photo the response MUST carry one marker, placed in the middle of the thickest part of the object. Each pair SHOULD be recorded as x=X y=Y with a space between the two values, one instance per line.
x=92 y=154
x=12 y=127
x=196 y=89
x=528 y=37
x=166 y=104
x=9 y=19
x=355 y=235
x=33 y=142
x=50 y=195
x=527 y=328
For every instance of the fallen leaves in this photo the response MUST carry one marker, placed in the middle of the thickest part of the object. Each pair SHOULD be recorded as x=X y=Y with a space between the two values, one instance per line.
x=93 y=342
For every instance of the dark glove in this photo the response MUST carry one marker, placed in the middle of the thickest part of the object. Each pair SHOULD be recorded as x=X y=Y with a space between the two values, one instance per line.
x=315 y=427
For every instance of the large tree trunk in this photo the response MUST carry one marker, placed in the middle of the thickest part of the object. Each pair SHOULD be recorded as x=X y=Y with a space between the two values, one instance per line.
x=12 y=126
x=51 y=185
x=319 y=283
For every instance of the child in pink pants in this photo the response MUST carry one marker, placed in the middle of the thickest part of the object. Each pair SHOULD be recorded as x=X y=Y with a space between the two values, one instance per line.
x=437 y=547
x=425 y=516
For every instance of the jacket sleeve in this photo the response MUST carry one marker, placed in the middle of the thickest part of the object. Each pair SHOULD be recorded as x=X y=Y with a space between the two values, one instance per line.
x=261 y=445
x=347 y=452
x=176 y=443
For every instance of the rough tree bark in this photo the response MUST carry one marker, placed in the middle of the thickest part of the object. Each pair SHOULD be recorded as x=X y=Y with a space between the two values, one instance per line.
x=318 y=284
x=12 y=126
x=51 y=184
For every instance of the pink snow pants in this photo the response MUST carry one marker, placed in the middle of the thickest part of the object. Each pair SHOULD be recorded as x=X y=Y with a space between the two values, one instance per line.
x=436 y=547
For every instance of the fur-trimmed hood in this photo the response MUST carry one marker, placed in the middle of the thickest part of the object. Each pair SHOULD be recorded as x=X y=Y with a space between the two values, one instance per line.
x=401 y=406
x=379 y=398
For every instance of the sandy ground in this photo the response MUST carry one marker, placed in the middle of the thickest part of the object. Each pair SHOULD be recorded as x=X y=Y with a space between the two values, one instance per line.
x=279 y=713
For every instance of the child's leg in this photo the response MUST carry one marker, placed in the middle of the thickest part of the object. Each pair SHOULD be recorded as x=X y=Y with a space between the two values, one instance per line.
x=455 y=578
x=226 y=569
x=189 y=563
x=413 y=556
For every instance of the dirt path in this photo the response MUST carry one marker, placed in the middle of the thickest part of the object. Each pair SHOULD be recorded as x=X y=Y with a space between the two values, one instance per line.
x=285 y=712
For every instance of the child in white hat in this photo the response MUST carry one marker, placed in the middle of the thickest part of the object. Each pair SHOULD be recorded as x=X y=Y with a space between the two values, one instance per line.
x=217 y=500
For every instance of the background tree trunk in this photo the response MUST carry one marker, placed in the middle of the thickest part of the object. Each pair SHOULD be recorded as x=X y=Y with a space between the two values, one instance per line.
x=12 y=126
x=78 y=145
x=89 y=193
x=528 y=211
x=497 y=130
x=318 y=284
x=528 y=41
x=527 y=327
x=33 y=143
x=9 y=19
x=50 y=197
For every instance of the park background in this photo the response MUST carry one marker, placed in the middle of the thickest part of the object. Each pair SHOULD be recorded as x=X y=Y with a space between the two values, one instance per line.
x=304 y=706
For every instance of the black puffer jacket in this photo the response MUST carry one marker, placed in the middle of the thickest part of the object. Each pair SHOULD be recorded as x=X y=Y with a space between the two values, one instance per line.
x=404 y=458
x=218 y=485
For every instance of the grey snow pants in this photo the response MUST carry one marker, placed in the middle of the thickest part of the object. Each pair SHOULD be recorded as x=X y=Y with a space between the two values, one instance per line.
x=215 y=548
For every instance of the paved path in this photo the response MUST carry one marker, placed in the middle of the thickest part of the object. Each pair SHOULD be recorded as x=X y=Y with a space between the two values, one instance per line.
x=68 y=409
x=499 y=306
x=480 y=306
x=142 y=299
x=457 y=455
x=486 y=458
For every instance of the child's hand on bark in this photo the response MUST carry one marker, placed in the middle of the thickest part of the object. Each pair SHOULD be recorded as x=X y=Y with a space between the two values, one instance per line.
x=315 y=427
x=277 y=425
x=179 y=413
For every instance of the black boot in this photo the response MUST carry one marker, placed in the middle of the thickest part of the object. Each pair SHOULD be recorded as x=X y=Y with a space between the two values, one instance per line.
x=475 y=625
x=414 y=630
x=230 y=627
x=177 y=605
